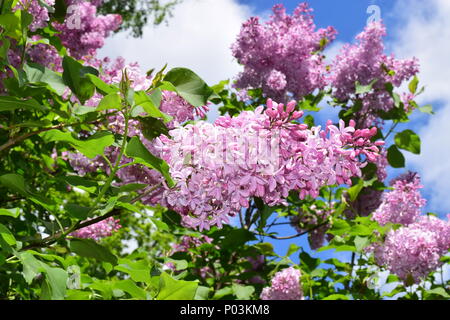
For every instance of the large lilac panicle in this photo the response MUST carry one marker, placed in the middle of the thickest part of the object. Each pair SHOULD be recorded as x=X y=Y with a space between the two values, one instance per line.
x=313 y=221
x=365 y=62
x=83 y=31
x=218 y=167
x=38 y=11
x=98 y=230
x=285 y=285
x=413 y=251
x=279 y=55
x=403 y=204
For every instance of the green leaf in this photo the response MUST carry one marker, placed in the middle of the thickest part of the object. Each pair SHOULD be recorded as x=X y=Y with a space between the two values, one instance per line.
x=293 y=248
x=179 y=264
x=236 y=238
x=104 y=287
x=136 y=150
x=75 y=77
x=102 y=87
x=91 y=147
x=16 y=183
x=219 y=294
x=360 y=230
x=395 y=157
x=78 y=295
x=354 y=191
x=7 y=235
x=60 y=11
x=131 y=187
x=336 y=297
x=361 y=243
x=55 y=280
x=12 y=103
x=360 y=89
x=90 y=249
x=14 y=212
x=189 y=86
x=82 y=183
x=242 y=292
x=171 y=289
x=438 y=291
x=80 y=110
x=339 y=227
x=38 y=74
x=202 y=293
x=110 y=101
x=11 y=23
x=408 y=140
x=130 y=287
x=265 y=248
x=427 y=109
x=4 y=49
x=162 y=226
x=139 y=271
x=397 y=99
x=141 y=99
x=152 y=128
x=76 y=211
x=413 y=85
x=309 y=263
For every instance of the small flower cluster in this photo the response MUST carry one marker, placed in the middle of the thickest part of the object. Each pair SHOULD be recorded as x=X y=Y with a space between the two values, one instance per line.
x=366 y=62
x=175 y=106
x=280 y=56
x=98 y=230
x=403 y=204
x=285 y=285
x=218 y=167
x=313 y=221
x=412 y=252
x=188 y=242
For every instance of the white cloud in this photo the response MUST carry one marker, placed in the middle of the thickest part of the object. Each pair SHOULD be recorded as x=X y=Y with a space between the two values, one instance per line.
x=423 y=30
x=198 y=37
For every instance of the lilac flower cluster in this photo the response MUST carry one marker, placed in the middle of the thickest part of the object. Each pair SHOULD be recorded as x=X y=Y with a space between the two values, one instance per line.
x=280 y=56
x=218 y=167
x=83 y=31
x=313 y=220
x=366 y=62
x=98 y=230
x=403 y=204
x=412 y=252
x=285 y=285
x=38 y=11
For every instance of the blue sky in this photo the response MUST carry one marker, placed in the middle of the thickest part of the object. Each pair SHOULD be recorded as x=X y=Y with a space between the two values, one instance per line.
x=201 y=31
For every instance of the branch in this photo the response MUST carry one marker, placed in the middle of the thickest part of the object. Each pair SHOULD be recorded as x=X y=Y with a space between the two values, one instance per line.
x=16 y=140
x=52 y=239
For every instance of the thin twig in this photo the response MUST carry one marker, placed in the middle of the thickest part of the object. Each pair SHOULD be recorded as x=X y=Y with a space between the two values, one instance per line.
x=25 y=136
